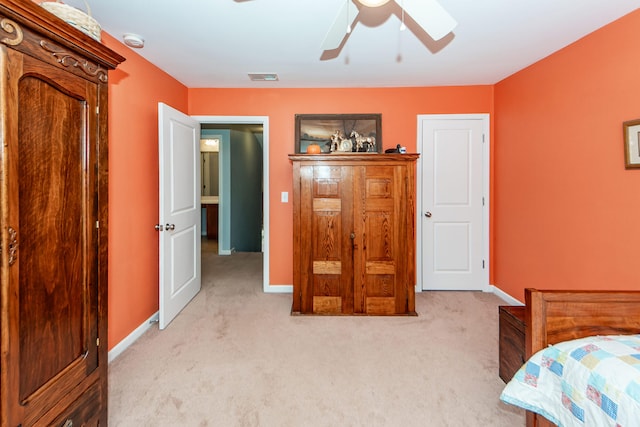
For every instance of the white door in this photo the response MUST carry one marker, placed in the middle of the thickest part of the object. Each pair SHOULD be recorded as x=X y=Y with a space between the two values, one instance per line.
x=453 y=219
x=179 y=226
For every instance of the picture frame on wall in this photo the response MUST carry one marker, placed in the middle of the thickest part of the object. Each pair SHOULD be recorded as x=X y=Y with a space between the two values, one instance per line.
x=358 y=133
x=631 y=130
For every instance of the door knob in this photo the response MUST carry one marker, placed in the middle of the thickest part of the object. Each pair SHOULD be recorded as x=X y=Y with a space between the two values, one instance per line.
x=170 y=227
x=427 y=214
x=159 y=227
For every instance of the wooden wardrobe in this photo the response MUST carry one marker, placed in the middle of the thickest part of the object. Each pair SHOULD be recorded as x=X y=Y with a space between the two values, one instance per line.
x=53 y=210
x=354 y=233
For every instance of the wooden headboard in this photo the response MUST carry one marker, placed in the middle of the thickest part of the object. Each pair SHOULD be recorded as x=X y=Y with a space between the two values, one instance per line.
x=555 y=316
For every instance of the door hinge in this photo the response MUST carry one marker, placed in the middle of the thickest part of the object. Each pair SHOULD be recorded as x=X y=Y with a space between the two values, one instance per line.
x=97 y=224
x=483 y=264
x=483 y=138
x=483 y=201
x=97 y=342
x=97 y=109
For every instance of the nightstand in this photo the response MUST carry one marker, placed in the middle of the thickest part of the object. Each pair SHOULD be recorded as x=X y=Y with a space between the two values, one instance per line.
x=511 y=346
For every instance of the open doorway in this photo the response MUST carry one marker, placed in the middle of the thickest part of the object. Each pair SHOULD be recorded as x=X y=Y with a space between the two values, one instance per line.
x=242 y=200
x=231 y=165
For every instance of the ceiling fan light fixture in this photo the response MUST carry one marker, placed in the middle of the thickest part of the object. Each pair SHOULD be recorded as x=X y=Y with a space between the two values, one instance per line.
x=373 y=3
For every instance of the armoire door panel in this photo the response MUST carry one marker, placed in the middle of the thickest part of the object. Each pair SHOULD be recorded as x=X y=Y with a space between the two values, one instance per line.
x=380 y=285
x=378 y=187
x=51 y=218
x=379 y=205
x=327 y=187
x=327 y=180
x=327 y=267
x=381 y=267
x=327 y=205
x=380 y=306
x=327 y=224
x=56 y=211
x=327 y=285
x=379 y=236
x=327 y=305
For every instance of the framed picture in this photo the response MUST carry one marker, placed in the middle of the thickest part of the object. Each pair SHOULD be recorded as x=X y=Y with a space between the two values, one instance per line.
x=631 y=145
x=358 y=133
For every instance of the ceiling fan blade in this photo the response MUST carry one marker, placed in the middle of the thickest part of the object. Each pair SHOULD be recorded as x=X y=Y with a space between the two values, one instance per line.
x=430 y=15
x=345 y=18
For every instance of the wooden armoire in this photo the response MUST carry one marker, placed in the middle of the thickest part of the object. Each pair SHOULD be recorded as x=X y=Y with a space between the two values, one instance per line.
x=53 y=216
x=354 y=233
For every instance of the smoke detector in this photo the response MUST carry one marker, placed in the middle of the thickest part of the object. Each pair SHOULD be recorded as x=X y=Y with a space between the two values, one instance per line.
x=133 y=40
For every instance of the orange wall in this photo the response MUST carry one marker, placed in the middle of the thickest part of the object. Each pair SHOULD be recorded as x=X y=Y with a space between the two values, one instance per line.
x=399 y=108
x=135 y=88
x=566 y=211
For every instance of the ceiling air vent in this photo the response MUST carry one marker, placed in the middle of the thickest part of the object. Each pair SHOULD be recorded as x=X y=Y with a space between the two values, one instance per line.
x=263 y=77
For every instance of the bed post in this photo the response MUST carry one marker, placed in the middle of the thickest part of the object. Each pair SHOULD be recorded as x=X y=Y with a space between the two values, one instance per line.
x=535 y=339
x=535 y=321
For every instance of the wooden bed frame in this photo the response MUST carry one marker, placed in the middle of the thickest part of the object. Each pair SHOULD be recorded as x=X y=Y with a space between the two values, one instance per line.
x=555 y=316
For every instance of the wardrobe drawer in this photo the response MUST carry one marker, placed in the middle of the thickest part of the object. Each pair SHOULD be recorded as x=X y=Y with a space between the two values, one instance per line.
x=84 y=411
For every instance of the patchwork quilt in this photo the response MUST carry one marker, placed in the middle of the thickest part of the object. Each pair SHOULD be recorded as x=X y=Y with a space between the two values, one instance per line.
x=593 y=381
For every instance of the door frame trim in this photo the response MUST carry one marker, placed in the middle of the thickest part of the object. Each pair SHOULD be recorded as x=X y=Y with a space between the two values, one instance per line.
x=264 y=121
x=486 y=177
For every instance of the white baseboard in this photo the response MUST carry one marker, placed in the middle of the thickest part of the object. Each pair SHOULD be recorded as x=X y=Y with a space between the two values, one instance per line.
x=132 y=337
x=279 y=289
x=505 y=296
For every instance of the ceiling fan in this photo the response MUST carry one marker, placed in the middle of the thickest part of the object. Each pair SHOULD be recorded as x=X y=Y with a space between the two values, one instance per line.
x=429 y=14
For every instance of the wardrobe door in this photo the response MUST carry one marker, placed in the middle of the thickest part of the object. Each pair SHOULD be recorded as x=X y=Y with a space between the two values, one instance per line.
x=380 y=261
x=53 y=321
x=327 y=224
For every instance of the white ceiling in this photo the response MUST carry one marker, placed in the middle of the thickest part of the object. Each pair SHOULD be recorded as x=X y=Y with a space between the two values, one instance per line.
x=215 y=43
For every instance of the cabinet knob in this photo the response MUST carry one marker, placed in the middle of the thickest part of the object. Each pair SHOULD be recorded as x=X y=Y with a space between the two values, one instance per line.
x=170 y=227
x=159 y=227
x=352 y=236
x=427 y=214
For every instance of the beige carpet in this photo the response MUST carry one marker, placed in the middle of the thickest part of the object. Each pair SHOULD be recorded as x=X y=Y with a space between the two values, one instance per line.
x=236 y=357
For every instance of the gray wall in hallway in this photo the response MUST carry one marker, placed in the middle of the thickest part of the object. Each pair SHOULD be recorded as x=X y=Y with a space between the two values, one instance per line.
x=246 y=192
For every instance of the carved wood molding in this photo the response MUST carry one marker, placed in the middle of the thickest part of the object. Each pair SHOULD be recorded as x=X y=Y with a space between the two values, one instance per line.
x=13 y=245
x=69 y=60
x=14 y=30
